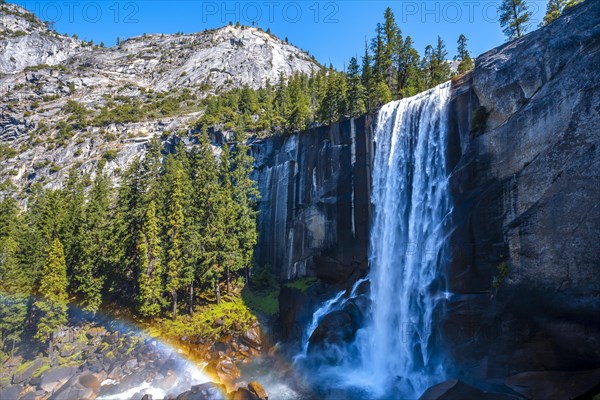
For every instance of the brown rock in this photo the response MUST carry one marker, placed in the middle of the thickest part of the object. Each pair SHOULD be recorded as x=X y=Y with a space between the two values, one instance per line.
x=242 y=394
x=258 y=390
x=89 y=381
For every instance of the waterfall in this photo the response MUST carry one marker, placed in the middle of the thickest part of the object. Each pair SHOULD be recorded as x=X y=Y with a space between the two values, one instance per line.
x=411 y=202
x=397 y=353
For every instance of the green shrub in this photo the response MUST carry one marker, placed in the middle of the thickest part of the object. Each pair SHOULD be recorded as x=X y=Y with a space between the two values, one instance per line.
x=65 y=131
x=208 y=323
x=110 y=155
x=263 y=278
x=302 y=284
x=7 y=152
x=264 y=301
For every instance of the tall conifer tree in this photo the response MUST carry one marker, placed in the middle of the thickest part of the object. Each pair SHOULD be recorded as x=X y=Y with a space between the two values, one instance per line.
x=53 y=298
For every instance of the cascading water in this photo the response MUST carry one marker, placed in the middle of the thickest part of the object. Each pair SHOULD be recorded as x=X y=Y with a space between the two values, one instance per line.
x=411 y=202
x=396 y=349
x=333 y=304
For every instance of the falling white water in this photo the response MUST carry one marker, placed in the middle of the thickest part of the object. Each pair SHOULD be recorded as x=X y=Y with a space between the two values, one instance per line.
x=334 y=304
x=325 y=309
x=411 y=201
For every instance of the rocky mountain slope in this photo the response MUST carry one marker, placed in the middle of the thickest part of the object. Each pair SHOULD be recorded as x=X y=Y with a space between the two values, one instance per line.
x=49 y=81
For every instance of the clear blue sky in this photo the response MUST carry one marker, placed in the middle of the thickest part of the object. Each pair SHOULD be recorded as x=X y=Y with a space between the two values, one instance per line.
x=333 y=31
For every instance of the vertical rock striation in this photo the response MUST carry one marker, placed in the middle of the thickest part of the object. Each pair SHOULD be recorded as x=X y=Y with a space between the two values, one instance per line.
x=315 y=201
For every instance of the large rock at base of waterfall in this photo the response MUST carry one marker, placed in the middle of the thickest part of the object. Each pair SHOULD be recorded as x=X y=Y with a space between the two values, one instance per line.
x=541 y=385
x=295 y=310
x=457 y=390
x=334 y=332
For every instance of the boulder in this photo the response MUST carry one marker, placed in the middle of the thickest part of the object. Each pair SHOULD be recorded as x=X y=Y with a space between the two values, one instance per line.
x=73 y=389
x=116 y=373
x=252 y=338
x=205 y=391
x=56 y=377
x=11 y=392
x=34 y=395
x=89 y=381
x=335 y=331
x=457 y=390
x=556 y=384
x=242 y=394
x=258 y=390
x=168 y=381
x=131 y=381
x=130 y=365
x=26 y=374
x=224 y=369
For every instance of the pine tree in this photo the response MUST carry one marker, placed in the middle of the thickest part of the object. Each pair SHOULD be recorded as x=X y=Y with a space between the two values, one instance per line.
x=514 y=18
x=150 y=273
x=379 y=56
x=553 y=10
x=428 y=66
x=248 y=100
x=435 y=64
x=244 y=194
x=127 y=222
x=298 y=110
x=174 y=224
x=52 y=303
x=9 y=210
x=14 y=282
x=333 y=104
x=392 y=43
x=140 y=184
x=73 y=196
x=90 y=272
x=466 y=62
x=200 y=241
x=356 y=91
x=227 y=250
x=367 y=79
x=408 y=69
x=382 y=94
x=42 y=222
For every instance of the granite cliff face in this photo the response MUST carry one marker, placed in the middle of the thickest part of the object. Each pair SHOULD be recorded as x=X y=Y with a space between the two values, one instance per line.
x=314 y=213
x=524 y=157
x=527 y=204
x=315 y=204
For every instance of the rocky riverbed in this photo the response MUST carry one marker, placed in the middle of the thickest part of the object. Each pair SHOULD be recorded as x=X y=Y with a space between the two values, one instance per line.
x=116 y=362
